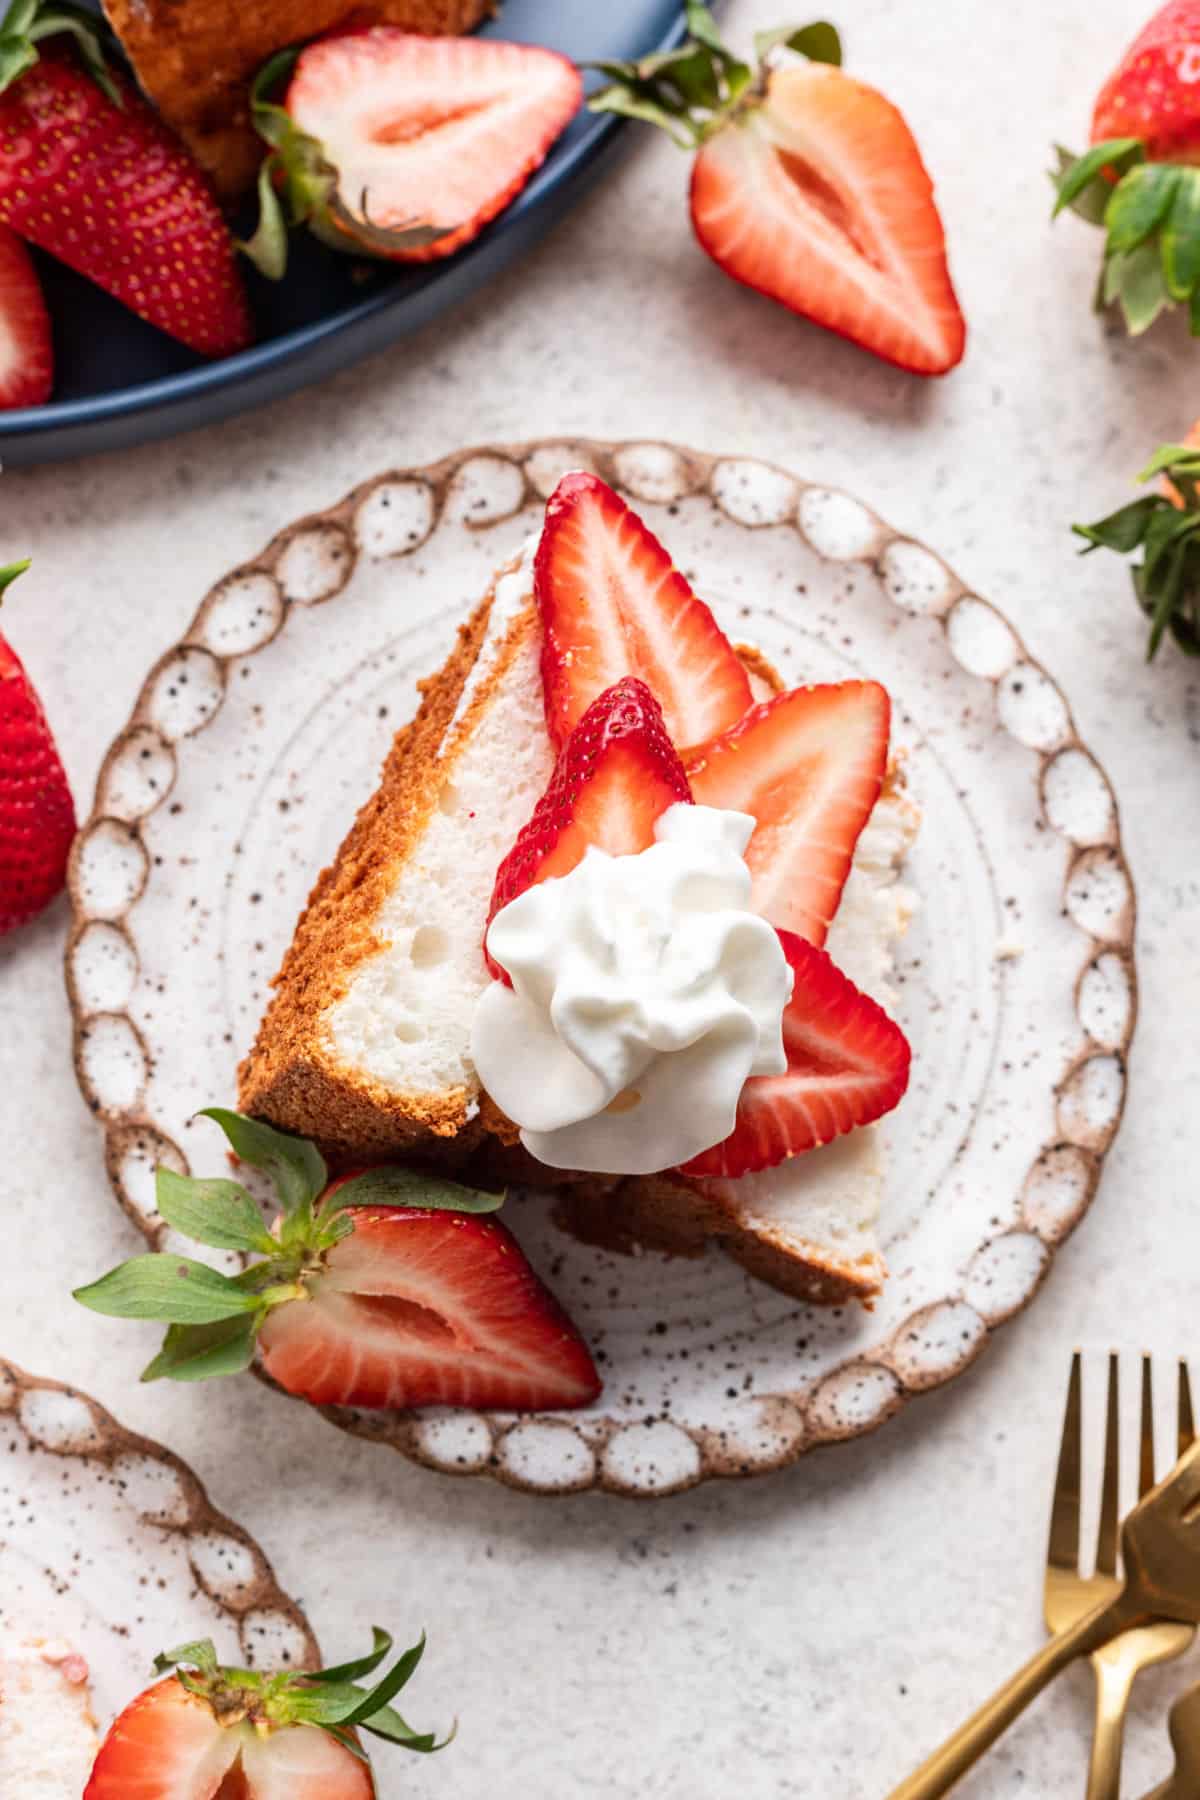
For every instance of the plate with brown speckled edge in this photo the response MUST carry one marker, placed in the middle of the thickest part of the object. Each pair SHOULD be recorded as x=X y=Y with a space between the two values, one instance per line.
x=257 y=735
x=110 y=1542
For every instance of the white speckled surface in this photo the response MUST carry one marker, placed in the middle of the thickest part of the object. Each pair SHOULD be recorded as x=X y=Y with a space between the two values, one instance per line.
x=814 y=1633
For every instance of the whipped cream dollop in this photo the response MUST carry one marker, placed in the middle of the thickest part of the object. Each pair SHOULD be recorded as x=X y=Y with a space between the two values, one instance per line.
x=644 y=995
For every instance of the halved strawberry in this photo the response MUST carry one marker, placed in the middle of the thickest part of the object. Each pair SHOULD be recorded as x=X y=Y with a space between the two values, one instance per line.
x=807 y=185
x=26 y=356
x=616 y=774
x=612 y=603
x=820 y=200
x=211 y=1733
x=407 y=146
x=420 y=1308
x=808 y=766
x=384 y=1288
x=848 y=1064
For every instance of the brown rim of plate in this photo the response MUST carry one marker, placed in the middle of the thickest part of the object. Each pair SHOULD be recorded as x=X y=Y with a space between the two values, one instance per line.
x=105 y=1441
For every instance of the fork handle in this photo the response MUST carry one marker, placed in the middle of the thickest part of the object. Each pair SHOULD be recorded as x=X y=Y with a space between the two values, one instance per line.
x=1113 y=1687
x=939 y=1774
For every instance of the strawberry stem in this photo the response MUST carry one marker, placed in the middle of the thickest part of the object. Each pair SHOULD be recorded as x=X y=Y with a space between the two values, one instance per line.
x=693 y=92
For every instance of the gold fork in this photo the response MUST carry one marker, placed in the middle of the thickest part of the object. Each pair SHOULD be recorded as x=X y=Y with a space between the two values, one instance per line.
x=1184 y=1784
x=1160 y=1548
x=1069 y=1594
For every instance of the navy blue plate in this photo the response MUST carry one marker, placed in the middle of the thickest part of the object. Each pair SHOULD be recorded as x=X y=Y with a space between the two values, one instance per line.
x=120 y=382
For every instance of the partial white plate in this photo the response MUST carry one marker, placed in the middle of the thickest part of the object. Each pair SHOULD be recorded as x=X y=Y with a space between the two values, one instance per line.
x=109 y=1541
x=257 y=736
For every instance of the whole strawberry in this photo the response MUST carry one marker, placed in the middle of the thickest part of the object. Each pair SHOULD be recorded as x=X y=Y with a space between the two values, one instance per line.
x=1139 y=180
x=37 y=815
x=90 y=174
x=205 y=1730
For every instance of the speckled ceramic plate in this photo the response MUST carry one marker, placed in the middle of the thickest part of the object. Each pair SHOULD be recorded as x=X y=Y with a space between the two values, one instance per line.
x=256 y=737
x=110 y=1541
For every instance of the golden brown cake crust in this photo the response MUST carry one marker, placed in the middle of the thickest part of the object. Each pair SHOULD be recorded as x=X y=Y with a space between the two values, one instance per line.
x=195 y=59
x=287 y=1077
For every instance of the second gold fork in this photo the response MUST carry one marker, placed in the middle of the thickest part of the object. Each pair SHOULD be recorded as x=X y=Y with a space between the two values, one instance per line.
x=1069 y=1594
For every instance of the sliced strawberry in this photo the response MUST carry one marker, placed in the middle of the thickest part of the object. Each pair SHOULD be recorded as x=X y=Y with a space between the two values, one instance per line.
x=808 y=766
x=419 y=1307
x=617 y=773
x=1153 y=93
x=169 y=1745
x=818 y=198
x=442 y=131
x=848 y=1064
x=26 y=356
x=110 y=190
x=37 y=814
x=613 y=604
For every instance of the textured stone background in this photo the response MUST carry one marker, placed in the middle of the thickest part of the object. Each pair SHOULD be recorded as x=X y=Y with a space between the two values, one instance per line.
x=813 y=1633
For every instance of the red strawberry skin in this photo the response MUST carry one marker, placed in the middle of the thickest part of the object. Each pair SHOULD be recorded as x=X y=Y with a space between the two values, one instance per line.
x=420 y=1307
x=37 y=815
x=1154 y=92
x=616 y=774
x=166 y=1742
x=110 y=191
x=613 y=604
x=808 y=766
x=442 y=130
x=26 y=352
x=168 y=1745
x=848 y=1064
x=820 y=200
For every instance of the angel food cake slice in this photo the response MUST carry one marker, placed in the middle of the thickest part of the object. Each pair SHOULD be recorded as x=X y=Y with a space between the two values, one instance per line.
x=48 y=1739
x=367 y=1045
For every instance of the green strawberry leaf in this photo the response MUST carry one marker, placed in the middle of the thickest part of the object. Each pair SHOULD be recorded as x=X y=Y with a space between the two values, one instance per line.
x=1143 y=288
x=1122 y=530
x=1139 y=203
x=201 y=1655
x=1181 y=237
x=1113 y=273
x=267 y=245
x=1082 y=171
x=206 y=1352
x=819 y=41
x=11 y=571
x=16 y=55
x=1091 y=201
x=1166 y=579
x=363 y=1665
x=387 y=1724
x=1181 y=459
x=404 y=1187
x=628 y=103
x=296 y=1167
x=212 y=1211
x=172 y=1289
x=401 y=1673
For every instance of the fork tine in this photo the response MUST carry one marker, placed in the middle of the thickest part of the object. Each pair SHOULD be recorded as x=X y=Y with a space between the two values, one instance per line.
x=1146 y=1432
x=1187 y=1424
x=1063 y=1552
x=1110 y=1493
